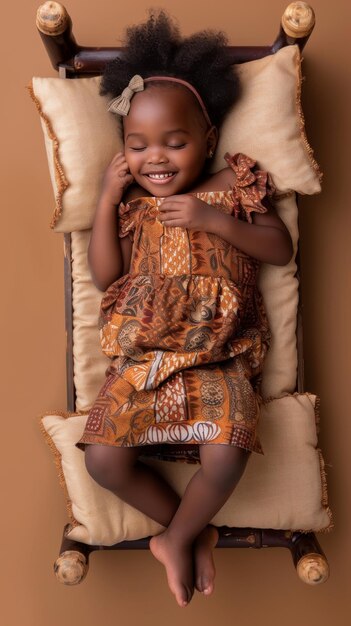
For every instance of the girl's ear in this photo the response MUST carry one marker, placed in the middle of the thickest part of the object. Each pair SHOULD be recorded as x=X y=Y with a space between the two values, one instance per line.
x=211 y=141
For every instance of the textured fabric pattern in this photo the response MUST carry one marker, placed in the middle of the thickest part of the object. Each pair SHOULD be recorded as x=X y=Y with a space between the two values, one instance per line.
x=278 y=285
x=186 y=330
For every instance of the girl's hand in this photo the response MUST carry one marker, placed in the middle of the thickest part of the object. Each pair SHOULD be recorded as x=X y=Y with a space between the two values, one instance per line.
x=187 y=211
x=116 y=179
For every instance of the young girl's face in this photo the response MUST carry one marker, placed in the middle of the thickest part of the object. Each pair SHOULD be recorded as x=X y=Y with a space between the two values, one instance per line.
x=167 y=140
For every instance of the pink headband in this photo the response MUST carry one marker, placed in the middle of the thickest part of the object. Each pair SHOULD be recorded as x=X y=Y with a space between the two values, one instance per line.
x=121 y=104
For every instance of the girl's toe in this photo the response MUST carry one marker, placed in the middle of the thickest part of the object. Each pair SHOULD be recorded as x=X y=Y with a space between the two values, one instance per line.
x=206 y=586
x=183 y=596
x=208 y=590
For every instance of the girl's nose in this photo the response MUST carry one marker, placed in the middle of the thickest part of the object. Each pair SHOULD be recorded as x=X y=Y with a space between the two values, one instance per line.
x=157 y=156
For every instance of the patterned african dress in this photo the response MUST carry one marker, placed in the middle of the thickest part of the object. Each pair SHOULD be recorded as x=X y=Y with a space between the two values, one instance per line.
x=186 y=332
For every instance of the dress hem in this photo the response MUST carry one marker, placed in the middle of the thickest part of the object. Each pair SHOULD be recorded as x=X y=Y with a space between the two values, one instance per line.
x=187 y=452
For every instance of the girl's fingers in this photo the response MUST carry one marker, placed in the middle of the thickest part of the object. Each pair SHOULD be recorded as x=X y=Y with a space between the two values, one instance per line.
x=173 y=223
x=118 y=155
x=171 y=205
x=118 y=159
x=122 y=170
x=170 y=217
x=173 y=199
x=171 y=210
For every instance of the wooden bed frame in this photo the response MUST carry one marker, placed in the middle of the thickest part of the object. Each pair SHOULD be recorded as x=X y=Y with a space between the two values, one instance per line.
x=73 y=61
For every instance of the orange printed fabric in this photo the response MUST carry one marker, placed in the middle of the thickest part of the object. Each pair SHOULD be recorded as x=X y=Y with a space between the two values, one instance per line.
x=186 y=331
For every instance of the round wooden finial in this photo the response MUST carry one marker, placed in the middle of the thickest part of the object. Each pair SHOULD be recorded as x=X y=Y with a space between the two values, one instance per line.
x=298 y=20
x=313 y=569
x=52 y=18
x=71 y=567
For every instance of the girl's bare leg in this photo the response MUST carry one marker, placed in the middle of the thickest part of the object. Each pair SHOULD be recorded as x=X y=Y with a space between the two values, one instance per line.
x=221 y=469
x=118 y=470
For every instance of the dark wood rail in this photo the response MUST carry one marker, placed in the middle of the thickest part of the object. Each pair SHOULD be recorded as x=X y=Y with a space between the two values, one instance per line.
x=71 y=567
x=55 y=28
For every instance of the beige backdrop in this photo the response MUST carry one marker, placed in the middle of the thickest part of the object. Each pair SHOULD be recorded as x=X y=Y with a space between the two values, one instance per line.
x=253 y=586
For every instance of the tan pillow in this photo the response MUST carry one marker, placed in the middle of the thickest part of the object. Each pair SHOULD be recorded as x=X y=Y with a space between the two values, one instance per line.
x=81 y=136
x=283 y=489
x=267 y=122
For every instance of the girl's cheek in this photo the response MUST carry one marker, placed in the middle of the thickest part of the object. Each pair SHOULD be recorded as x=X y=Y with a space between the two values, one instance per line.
x=131 y=163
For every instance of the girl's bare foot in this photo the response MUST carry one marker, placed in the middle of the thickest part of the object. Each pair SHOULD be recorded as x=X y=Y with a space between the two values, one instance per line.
x=178 y=561
x=203 y=556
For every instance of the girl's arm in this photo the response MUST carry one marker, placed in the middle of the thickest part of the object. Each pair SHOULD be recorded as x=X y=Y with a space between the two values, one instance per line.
x=109 y=256
x=267 y=239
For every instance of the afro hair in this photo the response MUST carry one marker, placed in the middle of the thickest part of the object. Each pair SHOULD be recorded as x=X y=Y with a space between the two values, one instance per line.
x=157 y=48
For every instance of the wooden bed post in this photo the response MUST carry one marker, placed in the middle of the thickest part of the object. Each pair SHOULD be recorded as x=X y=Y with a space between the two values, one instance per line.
x=55 y=28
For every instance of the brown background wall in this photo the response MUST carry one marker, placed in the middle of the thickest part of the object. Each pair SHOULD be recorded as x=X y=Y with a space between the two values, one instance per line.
x=129 y=587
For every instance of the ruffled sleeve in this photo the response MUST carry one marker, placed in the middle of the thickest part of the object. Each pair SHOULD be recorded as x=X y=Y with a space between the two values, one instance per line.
x=127 y=217
x=251 y=186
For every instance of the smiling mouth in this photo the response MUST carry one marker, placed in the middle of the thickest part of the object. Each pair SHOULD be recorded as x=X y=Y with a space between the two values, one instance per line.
x=161 y=178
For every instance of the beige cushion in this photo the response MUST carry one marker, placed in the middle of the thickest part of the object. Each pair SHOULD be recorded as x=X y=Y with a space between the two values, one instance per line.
x=82 y=136
x=283 y=489
x=267 y=122
x=279 y=287
x=89 y=362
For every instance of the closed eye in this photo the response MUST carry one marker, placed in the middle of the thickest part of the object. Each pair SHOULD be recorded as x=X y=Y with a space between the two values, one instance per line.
x=178 y=147
x=137 y=149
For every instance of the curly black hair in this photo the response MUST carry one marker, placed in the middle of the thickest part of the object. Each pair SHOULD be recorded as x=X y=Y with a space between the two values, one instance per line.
x=157 y=48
